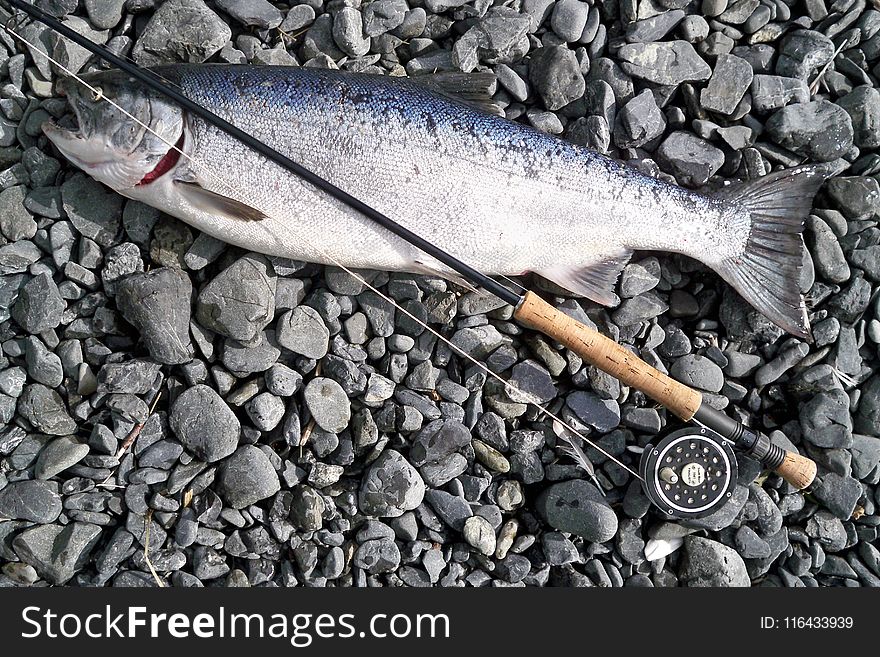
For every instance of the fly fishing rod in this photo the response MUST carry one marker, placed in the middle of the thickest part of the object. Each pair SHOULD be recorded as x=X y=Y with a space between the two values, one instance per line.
x=689 y=473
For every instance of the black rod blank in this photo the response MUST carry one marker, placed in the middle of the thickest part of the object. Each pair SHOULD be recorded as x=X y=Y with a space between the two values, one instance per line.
x=156 y=84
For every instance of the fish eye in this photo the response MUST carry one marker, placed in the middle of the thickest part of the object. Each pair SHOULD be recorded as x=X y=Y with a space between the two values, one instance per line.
x=97 y=93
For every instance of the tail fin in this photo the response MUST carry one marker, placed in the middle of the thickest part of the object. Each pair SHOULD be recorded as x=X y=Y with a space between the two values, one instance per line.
x=766 y=273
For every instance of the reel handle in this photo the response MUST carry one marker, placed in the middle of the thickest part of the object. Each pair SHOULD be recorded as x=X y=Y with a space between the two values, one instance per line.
x=687 y=403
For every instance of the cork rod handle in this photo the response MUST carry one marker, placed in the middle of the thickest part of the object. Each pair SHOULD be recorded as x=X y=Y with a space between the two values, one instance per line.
x=797 y=470
x=608 y=356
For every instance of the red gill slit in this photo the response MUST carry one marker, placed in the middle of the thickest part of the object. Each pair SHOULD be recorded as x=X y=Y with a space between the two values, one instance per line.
x=165 y=165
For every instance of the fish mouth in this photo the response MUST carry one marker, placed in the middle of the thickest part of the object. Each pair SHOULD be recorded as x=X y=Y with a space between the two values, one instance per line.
x=66 y=133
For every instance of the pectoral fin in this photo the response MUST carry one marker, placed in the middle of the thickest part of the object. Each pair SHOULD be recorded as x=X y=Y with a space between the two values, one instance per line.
x=595 y=281
x=217 y=204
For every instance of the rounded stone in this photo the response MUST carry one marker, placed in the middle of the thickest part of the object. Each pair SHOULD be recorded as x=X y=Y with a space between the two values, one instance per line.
x=479 y=533
x=247 y=477
x=204 y=423
x=328 y=404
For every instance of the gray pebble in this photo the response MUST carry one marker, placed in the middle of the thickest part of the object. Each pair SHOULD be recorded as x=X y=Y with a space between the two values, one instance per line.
x=579 y=508
x=390 y=486
x=664 y=62
x=556 y=76
x=57 y=553
x=265 y=411
x=34 y=501
x=302 y=331
x=256 y=13
x=59 y=455
x=729 y=82
x=819 y=130
x=45 y=409
x=39 y=306
x=181 y=30
x=328 y=404
x=690 y=159
x=709 y=563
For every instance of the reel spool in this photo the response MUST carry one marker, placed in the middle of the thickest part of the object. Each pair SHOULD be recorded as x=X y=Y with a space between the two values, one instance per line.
x=690 y=473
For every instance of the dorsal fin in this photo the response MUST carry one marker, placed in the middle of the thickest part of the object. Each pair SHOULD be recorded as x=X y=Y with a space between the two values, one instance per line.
x=473 y=89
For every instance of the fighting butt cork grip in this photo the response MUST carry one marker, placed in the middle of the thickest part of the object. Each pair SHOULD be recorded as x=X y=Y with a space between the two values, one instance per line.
x=607 y=355
x=797 y=470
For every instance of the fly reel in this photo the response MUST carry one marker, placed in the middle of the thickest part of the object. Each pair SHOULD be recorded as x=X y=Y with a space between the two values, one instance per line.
x=690 y=473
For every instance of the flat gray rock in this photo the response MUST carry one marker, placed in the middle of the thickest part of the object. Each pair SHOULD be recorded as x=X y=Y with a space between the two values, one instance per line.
x=328 y=404
x=34 y=501
x=664 y=62
x=302 y=331
x=45 y=409
x=57 y=553
x=819 y=130
x=182 y=31
x=39 y=306
x=59 y=455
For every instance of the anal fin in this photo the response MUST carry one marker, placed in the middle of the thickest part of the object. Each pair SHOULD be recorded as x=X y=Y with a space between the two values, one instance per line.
x=595 y=281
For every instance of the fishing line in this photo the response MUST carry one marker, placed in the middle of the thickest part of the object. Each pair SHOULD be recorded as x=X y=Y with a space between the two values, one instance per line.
x=98 y=95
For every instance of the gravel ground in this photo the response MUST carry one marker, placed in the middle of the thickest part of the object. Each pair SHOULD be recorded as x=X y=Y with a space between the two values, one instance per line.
x=416 y=470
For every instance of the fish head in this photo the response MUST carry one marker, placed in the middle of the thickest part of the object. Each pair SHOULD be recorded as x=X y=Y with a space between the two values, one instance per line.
x=117 y=131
